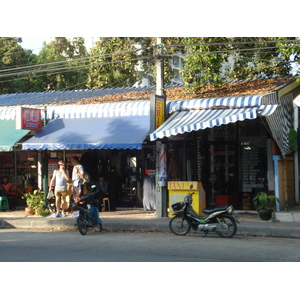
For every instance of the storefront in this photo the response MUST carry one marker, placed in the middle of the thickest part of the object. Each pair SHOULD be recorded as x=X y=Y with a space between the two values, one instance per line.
x=224 y=143
x=112 y=145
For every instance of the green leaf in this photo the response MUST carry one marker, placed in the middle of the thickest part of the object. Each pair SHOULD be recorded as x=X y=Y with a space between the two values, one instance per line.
x=293 y=139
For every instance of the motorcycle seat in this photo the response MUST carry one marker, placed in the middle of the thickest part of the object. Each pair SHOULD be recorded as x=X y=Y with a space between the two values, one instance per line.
x=214 y=209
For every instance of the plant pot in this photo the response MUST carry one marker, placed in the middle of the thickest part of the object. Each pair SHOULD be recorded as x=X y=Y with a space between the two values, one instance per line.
x=265 y=214
x=29 y=210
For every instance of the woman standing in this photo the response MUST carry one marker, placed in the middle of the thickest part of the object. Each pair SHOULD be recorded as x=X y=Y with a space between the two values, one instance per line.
x=61 y=178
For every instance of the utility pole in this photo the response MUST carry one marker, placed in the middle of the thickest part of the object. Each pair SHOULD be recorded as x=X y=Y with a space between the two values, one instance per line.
x=45 y=165
x=161 y=168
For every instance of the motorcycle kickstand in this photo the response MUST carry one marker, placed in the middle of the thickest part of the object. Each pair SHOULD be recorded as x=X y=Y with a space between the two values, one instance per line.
x=206 y=232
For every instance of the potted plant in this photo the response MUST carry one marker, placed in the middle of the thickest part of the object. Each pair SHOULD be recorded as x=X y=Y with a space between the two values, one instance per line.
x=35 y=203
x=265 y=205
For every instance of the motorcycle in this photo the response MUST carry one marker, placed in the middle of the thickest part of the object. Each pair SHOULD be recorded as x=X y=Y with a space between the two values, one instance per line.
x=86 y=213
x=219 y=219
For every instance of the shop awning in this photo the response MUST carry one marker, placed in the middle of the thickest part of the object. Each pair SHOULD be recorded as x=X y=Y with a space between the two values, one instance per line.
x=93 y=133
x=9 y=135
x=196 y=119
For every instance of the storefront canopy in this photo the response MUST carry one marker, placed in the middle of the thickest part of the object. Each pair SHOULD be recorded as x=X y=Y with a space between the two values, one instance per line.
x=195 y=119
x=9 y=135
x=93 y=133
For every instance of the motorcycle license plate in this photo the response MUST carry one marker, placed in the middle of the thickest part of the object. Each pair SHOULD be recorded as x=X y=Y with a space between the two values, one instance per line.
x=76 y=214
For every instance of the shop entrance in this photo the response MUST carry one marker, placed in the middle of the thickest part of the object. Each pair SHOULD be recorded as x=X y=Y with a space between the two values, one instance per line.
x=222 y=165
x=223 y=183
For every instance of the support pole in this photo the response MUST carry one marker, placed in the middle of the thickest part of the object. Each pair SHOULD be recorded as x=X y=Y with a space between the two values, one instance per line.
x=275 y=159
x=45 y=165
x=296 y=104
x=161 y=190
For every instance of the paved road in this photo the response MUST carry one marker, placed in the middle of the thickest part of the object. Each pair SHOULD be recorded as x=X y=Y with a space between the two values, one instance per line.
x=70 y=246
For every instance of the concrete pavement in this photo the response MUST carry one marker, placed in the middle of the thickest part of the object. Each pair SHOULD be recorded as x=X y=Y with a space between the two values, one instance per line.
x=287 y=224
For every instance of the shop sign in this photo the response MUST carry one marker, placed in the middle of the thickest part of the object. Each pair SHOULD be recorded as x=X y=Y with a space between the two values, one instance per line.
x=183 y=185
x=159 y=110
x=28 y=118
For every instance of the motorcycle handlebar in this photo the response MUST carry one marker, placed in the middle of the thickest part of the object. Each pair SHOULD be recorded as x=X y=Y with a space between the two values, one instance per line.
x=86 y=197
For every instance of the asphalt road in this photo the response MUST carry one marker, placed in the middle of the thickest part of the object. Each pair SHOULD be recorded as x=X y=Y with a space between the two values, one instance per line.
x=70 y=246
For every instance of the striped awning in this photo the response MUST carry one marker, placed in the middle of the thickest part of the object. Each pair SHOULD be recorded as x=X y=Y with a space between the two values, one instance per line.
x=188 y=120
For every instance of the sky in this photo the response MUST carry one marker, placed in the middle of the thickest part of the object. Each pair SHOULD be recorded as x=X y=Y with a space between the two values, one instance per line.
x=36 y=43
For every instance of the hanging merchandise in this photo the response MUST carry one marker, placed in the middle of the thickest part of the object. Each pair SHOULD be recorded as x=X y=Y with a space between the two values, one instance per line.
x=162 y=167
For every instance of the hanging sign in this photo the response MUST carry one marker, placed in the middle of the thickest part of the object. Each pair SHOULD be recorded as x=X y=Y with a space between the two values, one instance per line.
x=159 y=110
x=28 y=118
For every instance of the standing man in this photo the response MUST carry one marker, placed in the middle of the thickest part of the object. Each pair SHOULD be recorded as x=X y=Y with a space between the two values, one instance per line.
x=77 y=174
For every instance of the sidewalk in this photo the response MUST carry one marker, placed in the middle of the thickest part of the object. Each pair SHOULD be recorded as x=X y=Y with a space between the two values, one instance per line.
x=287 y=224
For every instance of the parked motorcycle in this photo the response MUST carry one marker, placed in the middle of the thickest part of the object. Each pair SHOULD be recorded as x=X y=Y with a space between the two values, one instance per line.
x=86 y=213
x=219 y=219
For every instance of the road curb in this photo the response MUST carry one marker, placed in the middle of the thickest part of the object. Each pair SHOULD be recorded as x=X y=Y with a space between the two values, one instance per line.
x=278 y=229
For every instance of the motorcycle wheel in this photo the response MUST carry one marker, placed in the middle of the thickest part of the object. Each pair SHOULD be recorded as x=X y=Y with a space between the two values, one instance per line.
x=82 y=227
x=179 y=226
x=98 y=227
x=230 y=227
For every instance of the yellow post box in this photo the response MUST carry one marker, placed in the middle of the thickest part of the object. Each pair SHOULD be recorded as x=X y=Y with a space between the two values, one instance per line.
x=179 y=189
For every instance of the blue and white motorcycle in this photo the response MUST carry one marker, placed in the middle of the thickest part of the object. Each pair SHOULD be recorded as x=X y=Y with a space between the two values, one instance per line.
x=86 y=213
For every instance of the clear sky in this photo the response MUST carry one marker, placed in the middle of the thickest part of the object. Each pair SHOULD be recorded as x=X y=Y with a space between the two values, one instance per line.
x=34 y=43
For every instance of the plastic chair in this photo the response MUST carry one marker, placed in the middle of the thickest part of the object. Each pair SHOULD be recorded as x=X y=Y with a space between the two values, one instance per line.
x=4 y=202
x=108 y=203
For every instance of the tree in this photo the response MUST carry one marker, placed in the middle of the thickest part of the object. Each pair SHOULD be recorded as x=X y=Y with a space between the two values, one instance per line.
x=12 y=55
x=113 y=62
x=207 y=60
x=63 y=64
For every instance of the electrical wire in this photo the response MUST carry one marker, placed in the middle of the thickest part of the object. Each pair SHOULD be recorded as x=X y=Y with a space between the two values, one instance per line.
x=57 y=70
x=165 y=46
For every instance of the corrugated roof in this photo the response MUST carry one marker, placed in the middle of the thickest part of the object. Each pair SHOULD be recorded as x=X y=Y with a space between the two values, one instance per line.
x=174 y=92
x=61 y=97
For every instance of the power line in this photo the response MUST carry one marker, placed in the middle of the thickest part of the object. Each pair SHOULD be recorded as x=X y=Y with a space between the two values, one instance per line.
x=229 y=43
x=67 y=69
x=63 y=67
x=165 y=46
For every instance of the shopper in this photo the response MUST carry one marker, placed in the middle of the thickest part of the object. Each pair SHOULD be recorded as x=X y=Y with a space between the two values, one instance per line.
x=77 y=174
x=61 y=179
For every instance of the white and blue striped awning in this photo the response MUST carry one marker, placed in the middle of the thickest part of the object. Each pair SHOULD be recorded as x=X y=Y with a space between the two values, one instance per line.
x=194 y=120
x=229 y=102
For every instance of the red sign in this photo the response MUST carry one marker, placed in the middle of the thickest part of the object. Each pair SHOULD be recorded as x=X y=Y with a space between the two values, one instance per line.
x=30 y=118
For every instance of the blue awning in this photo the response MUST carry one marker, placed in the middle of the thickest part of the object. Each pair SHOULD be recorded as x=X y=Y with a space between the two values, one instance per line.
x=94 y=133
x=197 y=119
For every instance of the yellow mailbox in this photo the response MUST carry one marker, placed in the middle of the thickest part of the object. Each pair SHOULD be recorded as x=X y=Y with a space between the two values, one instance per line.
x=179 y=189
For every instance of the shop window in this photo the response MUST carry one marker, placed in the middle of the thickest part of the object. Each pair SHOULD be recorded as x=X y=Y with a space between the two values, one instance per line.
x=27 y=173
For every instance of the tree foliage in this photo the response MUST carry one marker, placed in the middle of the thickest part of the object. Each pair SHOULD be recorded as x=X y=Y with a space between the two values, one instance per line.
x=215 y=60
x=67 y=72
x=65 y=64
x=13 y=55
x=114 y=62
